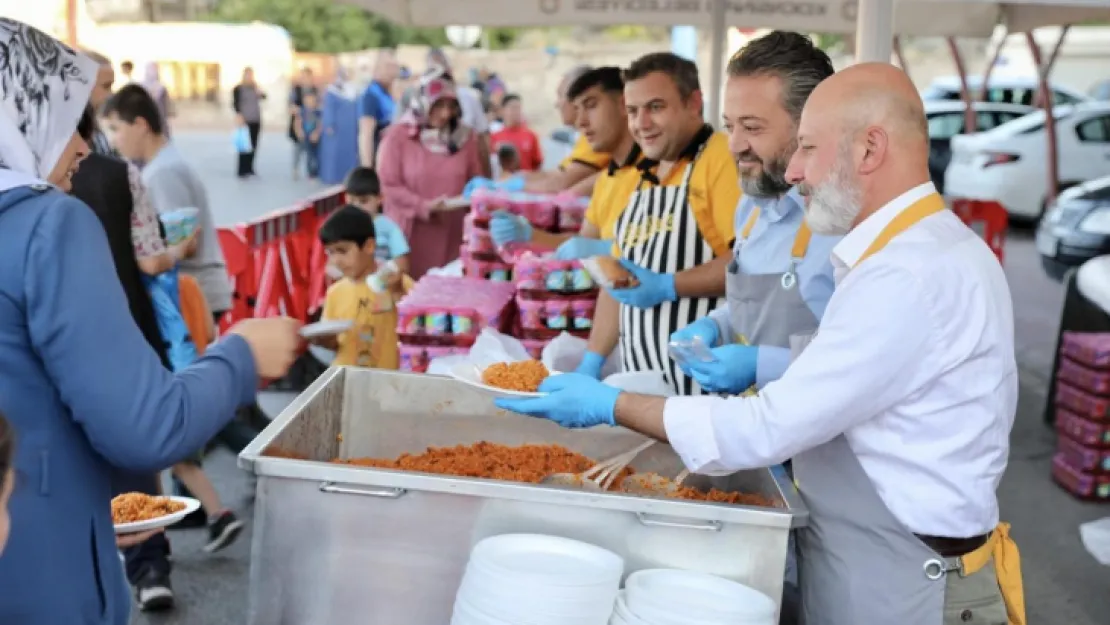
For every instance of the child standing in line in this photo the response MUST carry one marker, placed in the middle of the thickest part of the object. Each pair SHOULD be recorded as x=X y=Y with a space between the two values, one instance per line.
x=349 y=238
x=508 y=161
x=365 y=191
x=308 y=128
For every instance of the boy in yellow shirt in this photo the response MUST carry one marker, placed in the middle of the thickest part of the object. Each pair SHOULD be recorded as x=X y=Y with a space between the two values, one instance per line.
x=349 y=238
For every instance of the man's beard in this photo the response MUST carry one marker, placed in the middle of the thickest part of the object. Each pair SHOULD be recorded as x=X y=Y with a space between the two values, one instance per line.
x=834 y=204
x=771 y=180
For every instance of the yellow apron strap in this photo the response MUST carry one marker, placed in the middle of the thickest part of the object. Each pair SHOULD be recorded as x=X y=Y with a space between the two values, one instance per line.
x=932 y=203
x=1007 y=563
x=801 y=241
x=750 y=224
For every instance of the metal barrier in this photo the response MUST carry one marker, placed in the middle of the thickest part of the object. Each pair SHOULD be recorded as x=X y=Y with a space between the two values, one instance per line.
x=276 y=262
x=988 y=218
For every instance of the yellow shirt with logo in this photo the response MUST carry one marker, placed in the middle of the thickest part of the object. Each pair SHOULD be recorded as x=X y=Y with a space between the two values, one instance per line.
x=714 y=194
x=583 y=153
x=372 y=341
x=611 y=193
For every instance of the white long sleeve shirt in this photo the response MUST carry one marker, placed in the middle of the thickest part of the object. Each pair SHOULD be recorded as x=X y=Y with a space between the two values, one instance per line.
x=913 y=362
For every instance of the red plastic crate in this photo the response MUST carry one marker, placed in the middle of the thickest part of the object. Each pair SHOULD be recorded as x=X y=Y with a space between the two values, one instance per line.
x=1089 y=348
x=1082 y=457
x=1082 y=403
x=1085 y=431
x=1079 y=483
x=1084 y=378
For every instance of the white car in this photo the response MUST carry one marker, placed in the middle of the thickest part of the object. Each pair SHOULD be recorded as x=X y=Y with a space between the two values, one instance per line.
x=1008 y=164
x=946 y=120
x=1003 y=89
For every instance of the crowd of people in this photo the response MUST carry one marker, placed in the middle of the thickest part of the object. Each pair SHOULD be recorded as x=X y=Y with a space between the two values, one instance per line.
x=861 y=334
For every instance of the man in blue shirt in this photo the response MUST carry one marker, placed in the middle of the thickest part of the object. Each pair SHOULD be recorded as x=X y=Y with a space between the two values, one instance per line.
x=377 y=107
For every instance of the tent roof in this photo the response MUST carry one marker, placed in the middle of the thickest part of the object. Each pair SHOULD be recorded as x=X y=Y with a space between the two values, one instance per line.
x=966 y=18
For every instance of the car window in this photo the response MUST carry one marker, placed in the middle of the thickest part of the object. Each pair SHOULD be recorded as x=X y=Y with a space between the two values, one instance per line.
x=1059 y=97
x=1094 y=130
x=945 y=125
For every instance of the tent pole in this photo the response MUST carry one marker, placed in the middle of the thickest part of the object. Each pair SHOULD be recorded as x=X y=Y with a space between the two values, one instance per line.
x=874 y=31
x=1049 y=119
x=900 y=54
x=997 y=54
x=717 y=62
x=965 y=92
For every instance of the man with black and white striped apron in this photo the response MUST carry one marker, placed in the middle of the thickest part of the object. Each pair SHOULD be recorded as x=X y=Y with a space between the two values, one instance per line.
x=675 y=233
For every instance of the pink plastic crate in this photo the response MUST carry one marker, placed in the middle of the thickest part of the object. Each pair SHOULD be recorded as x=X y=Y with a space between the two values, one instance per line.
x=1084 y=378
x=1089 y=348
x=1078 y=455
x=1077 y=482
x=1087 y=432
x=1081 y=402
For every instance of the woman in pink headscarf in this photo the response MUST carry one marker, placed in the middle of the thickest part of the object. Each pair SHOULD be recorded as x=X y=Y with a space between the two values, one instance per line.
x=425 y=158
x=152 y=82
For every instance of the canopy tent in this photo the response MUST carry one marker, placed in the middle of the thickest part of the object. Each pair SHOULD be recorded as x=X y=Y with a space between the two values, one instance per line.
x=874 y=22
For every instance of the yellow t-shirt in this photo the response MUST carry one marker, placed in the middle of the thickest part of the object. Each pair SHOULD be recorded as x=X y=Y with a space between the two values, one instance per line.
x=714 y=193
x=372 y=341
x=583 y=153
x=611 y=193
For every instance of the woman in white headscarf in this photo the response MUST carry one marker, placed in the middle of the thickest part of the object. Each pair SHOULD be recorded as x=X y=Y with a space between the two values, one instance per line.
x=80 y=385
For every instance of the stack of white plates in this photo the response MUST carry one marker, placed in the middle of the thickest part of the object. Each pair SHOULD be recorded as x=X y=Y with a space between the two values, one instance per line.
x=673 y=597
x=532 y=579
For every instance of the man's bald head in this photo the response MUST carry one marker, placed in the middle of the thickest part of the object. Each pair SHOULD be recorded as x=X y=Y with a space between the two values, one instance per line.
x=863 y=140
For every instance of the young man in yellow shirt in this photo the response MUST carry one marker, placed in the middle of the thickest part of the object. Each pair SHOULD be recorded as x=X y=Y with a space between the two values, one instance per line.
x=349 y=238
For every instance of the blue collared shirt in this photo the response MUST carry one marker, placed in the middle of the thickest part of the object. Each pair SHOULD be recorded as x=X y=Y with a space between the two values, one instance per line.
x=767 y=251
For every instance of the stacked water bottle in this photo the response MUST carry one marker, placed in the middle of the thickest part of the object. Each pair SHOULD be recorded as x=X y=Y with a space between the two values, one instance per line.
x=553 y=296
x=482 y=258
x=1082 y=461
x=442 y=316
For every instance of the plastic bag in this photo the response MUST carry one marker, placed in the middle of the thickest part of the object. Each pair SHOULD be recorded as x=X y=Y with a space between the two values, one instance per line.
x=164 y=295
x=1096 y=538
x=642 y=382
x=690 y=351
x=565 y=352
x=241 y=139
x=490 y=347
x=454 y=269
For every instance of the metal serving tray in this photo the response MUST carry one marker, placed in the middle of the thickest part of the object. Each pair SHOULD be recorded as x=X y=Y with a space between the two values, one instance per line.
x=336 y=542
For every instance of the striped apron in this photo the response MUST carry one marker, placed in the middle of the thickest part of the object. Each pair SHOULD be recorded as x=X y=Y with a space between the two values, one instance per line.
x=658 y=231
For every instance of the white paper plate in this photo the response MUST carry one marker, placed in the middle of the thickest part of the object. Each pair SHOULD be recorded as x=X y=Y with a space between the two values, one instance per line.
x=191 y=505
x=326 y=328
x=323 y=355
x=469 y=374
x=552 y=560
x=456 y=202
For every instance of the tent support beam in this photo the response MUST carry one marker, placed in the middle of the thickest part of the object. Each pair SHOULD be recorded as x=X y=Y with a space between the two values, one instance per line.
x=1044 y=68
x=965 y=92
x=997 y=54
x=717 y=62
x=900 y=54
x=874 y=31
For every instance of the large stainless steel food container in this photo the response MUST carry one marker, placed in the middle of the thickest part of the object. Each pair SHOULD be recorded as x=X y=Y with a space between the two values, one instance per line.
x=337 y=544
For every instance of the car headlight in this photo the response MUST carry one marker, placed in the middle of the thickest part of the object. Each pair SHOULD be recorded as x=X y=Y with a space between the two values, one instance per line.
x=1096 y=222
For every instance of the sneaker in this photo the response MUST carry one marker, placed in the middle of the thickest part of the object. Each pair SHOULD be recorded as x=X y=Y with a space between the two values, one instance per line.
x=223 y=529
x=154 y=593
x=192 y=520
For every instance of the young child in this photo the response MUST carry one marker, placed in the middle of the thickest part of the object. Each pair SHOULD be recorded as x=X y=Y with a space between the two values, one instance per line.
x=349 y=237
x=308 y=128
x=7 y=478
x=508 y=161
x=364 y=191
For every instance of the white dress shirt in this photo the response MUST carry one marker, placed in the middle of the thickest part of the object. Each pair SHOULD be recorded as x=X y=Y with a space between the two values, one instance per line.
x=913 y=362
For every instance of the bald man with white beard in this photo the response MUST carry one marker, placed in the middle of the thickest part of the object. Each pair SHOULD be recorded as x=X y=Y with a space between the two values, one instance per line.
x=898 y=412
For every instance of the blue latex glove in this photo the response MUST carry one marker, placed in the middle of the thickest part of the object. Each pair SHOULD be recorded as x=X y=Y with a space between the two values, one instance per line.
x=512 y=184
x=733 y=372
x=505 y=227
x=583 y=247
x=705 y=329
x=591 y=365
x=475 y=184
x=654 y=288
x=573 y=401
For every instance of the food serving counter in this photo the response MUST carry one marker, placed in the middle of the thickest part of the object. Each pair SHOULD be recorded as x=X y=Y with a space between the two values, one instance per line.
x=336 y=544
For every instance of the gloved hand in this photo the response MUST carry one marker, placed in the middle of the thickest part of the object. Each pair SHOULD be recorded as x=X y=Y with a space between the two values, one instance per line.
x=512 y=184
x=583 y=247
x=475 y=184
x=705 y=329
x=733 y=371
x=591 y=365
x=505 y=227
x=573 y=400
x=654 y=288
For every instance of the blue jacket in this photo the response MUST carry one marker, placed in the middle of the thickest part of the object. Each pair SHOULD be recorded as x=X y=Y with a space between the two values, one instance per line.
x=85 y=391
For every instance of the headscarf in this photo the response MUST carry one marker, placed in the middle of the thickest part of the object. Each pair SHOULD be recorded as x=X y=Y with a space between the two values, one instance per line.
x=342 y=86
x=434 y=87
x=153 y=82
x=44 y=88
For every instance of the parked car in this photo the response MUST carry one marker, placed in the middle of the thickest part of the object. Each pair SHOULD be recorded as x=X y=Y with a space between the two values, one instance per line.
x=1076 y=228
x=946 y=119
x=1008 y=164
x=1100 y=90
x=1002 y=89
